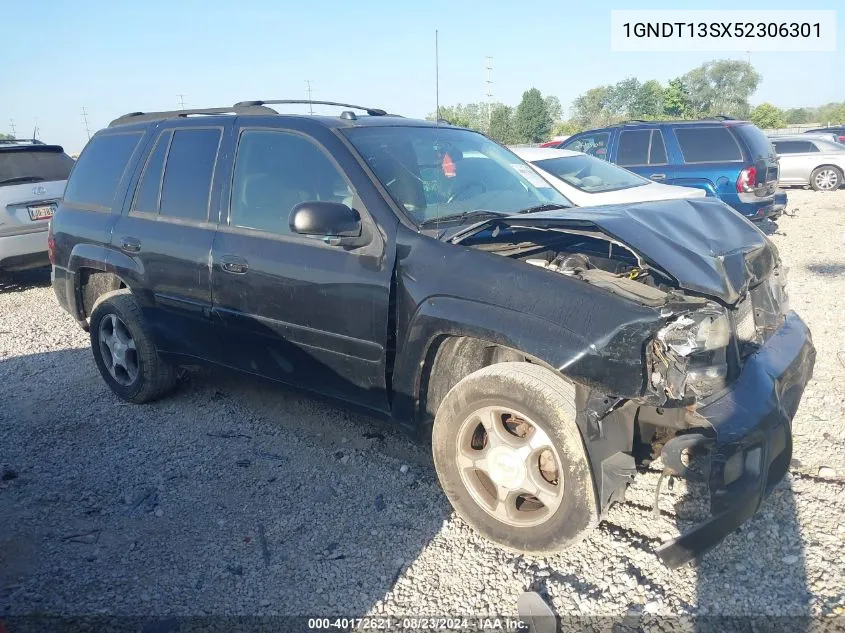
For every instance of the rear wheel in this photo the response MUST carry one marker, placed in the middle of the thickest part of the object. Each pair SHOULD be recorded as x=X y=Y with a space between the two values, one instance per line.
x=124 y=351
x=511 y=459
x=826 y=178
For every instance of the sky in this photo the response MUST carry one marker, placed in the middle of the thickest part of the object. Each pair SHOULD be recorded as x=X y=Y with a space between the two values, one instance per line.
x=113 y=58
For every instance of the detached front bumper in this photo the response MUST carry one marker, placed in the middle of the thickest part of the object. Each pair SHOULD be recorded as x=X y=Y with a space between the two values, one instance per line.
x=753 y=437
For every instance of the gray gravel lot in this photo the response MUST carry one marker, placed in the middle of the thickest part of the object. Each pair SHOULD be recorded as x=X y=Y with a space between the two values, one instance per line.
x=241 y=497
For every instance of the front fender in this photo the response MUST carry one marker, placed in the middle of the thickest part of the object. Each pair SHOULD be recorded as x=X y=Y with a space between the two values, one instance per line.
x=612 y=362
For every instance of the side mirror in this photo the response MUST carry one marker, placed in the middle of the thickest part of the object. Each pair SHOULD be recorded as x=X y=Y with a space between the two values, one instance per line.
x=334 y=222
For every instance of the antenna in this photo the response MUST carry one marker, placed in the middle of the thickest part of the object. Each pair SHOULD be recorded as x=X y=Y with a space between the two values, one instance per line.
x=35 y=130
x=489 y=90
x=308 y=90
x=12 y=125
x=436 y=78
x=181 y=101
x=85 y=119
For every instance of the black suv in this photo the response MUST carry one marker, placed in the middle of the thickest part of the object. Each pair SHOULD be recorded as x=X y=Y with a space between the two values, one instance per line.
x=426 y=273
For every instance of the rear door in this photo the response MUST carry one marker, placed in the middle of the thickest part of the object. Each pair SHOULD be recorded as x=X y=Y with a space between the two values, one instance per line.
x=294 y=308
x=163 y=240
x=643 y=151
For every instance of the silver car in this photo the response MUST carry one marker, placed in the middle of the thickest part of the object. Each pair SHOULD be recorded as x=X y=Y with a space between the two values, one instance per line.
x=32 y=181
x=812 y=161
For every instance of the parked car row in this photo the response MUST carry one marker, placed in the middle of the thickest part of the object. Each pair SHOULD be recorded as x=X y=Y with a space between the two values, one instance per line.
x=429 y=275
x=727 y=159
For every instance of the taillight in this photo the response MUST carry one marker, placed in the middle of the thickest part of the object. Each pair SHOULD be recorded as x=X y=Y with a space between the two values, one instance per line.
x=747 y=180
x=51 y=244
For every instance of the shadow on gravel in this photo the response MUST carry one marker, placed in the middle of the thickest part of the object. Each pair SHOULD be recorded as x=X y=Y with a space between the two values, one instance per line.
x=827 y=270
x=230 y=496
x=24 y=280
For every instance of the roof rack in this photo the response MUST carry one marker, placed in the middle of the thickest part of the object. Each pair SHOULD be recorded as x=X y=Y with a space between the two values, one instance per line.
x=722 y=117
x=370 y=111
x=138 y=117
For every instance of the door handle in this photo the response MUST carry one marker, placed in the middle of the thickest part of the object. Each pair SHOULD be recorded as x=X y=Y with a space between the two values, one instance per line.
x=234 y=264
x=130 y=244
x=658 y=176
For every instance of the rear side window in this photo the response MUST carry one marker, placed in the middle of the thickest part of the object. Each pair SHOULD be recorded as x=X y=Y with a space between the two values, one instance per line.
x=794 y=147
x=186 y=186
x=633 y=147
x=758 y=143
x=99 y=169
x=146 y=195
x=43 y=163
x=708 y=144
x=594 y=144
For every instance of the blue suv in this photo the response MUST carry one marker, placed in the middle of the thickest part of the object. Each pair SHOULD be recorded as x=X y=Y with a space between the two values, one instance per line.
x=729 y=159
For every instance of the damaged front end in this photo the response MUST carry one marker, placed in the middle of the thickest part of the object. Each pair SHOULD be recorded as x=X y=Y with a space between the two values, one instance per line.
x=724 y=370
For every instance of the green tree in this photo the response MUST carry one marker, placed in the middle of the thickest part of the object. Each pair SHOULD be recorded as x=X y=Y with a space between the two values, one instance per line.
x=6 y=136
x=531 y=120
x=502 y=124
x=622 y=96
x=471 y=115
x=565 y=128
x=797 y=115
x=554 y=107
x=767 y=116
x=832 y=113
x=648 y=101
x=676 y=100
x=721 y=87
x=591 y=108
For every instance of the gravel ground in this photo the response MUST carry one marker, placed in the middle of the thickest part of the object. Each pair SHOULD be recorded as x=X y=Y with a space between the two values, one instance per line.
x=239 y=497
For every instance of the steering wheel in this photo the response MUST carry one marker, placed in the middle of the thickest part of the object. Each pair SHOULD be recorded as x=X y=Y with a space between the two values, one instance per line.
x=459 y=191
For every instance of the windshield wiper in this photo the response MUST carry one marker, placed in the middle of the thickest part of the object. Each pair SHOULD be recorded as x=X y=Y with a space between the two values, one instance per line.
x=549 y=206
x=7 y=181
x=479 y=214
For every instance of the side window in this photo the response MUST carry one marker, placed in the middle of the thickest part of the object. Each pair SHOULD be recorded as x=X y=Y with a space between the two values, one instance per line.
x=98 y=171
x=634 y=147
x=658 y=149
x=274 y=172
x=594 y=144
x=794 y=147
x=147 y=191
x=186 y=186
x=708 y=144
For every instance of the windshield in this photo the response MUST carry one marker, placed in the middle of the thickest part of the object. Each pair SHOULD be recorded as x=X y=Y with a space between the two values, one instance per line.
x=439 y=172
x=35 y=165
x=590 y=174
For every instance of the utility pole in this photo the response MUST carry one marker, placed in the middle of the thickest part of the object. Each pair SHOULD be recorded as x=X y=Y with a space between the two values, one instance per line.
x=181 y=101
x=488 y=84
x=749 y=57
x=85 y=120
x=12 y=125
x=436 y=77
x=308 y=90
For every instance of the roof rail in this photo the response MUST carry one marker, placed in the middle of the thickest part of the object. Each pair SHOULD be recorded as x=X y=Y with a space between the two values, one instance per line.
x=370 y=111
x=722 y=117
x=636 y=121
x=138 y=117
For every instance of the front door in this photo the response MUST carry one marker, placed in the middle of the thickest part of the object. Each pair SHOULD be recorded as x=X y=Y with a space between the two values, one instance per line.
x=643 y=151
x=294 y=308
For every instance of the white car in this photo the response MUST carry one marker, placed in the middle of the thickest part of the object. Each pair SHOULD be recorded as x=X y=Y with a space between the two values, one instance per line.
x=32 y=181
x=589 y=182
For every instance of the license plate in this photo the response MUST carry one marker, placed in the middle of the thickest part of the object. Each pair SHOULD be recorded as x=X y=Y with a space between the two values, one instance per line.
x=42 y=212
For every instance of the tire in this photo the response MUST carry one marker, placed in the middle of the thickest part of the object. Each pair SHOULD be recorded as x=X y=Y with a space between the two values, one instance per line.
x=547 y=402
x=826 y=178
x=140 y=375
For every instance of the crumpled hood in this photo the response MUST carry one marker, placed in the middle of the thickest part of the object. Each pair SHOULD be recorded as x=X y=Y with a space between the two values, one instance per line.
x=703 y=243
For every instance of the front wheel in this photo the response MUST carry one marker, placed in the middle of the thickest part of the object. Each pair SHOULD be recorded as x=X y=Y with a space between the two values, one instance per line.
x=826 y=178
x=124 y=351
x=511 y=459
